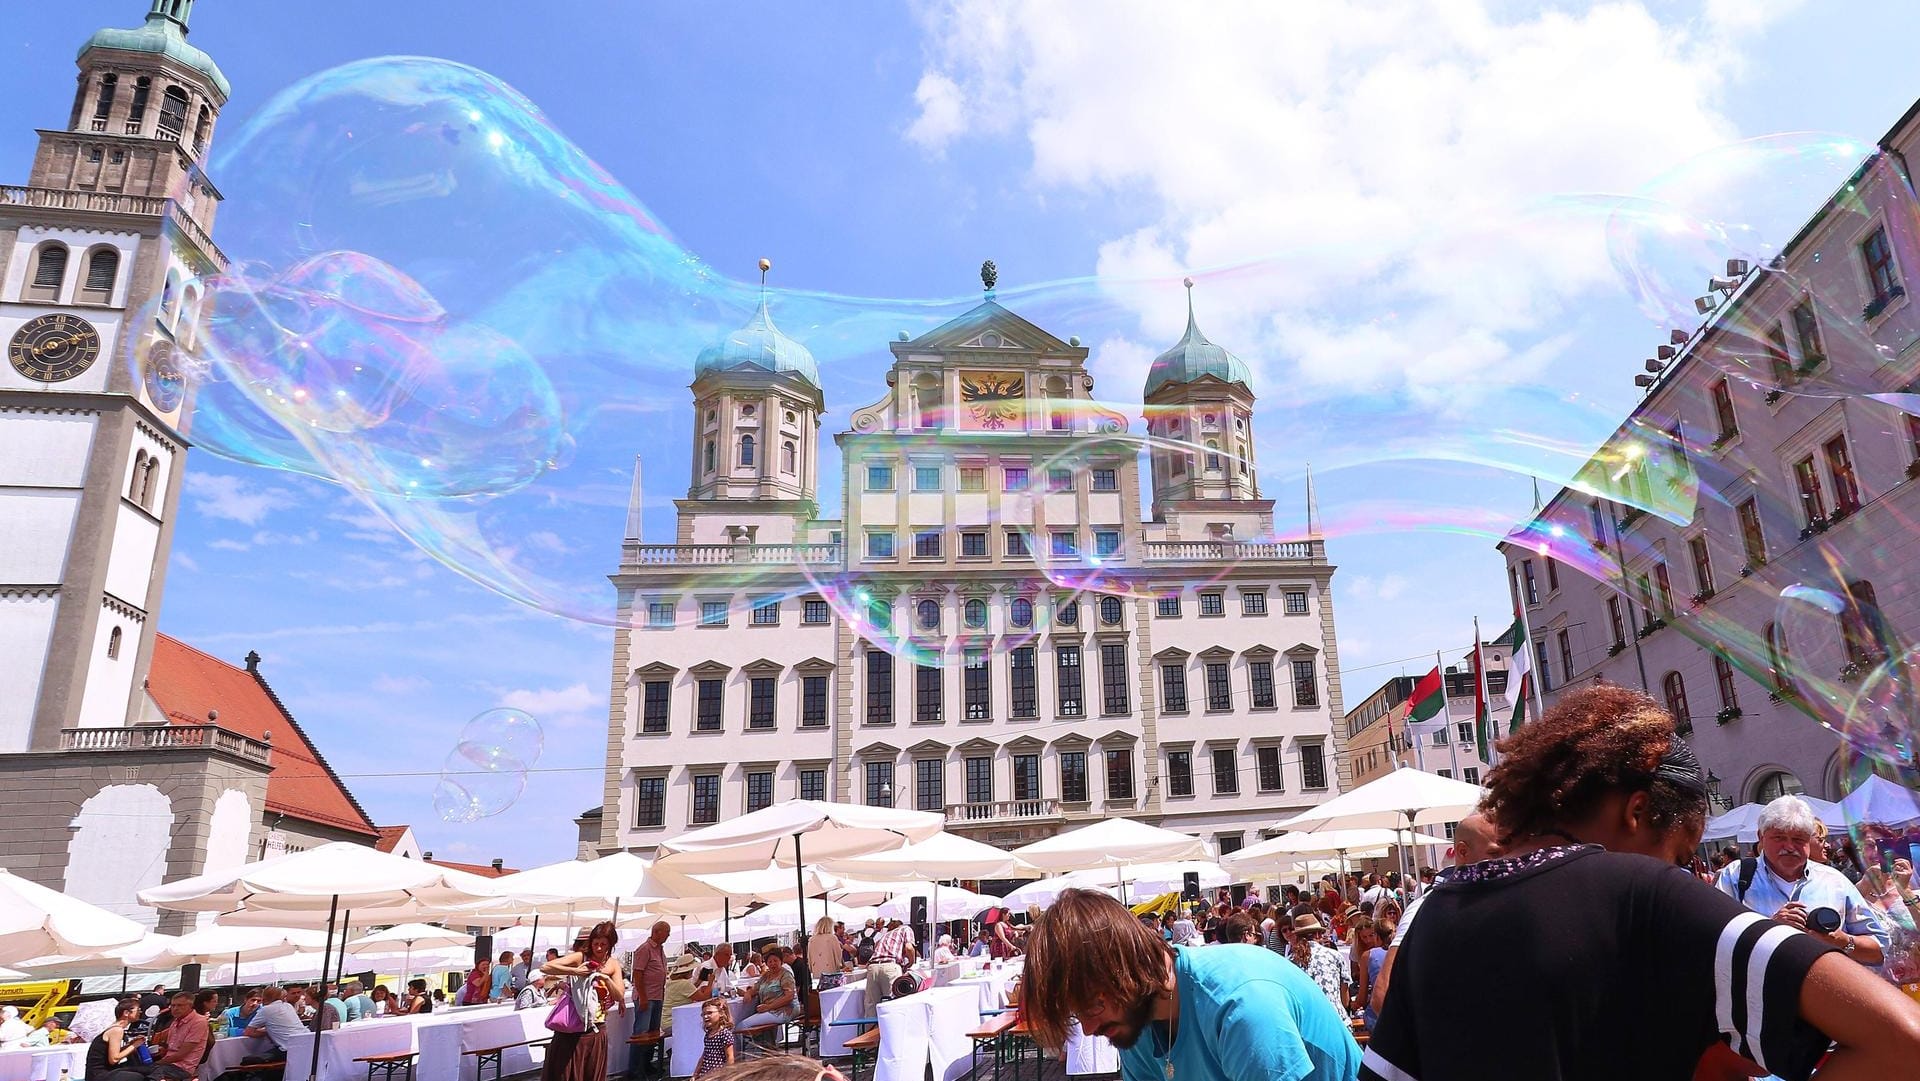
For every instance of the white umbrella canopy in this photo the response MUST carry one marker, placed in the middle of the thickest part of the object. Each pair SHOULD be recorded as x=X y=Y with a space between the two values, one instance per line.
x=620 y=878
x=1045 y=891
x=1148 y=879
x=770 y=883
x=483 y=915
x=421 y=936
x=945 y=855
x=1743 y=822
x=798 y=831
x=38 y=922
x=1288 y=846
x=952 y=902
x=782 y=917
x=1112 y=843
x=1877 y=801
x=216 y=943
x=347 y=875
x=1403 y=799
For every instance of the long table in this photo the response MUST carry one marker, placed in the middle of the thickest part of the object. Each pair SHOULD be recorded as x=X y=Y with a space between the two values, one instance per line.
x=43 y=1063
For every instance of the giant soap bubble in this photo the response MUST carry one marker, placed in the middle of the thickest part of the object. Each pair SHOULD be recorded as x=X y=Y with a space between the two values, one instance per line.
x=486 y=771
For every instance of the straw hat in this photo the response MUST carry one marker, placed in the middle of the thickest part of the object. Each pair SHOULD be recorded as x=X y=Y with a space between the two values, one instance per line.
x=1307 y=923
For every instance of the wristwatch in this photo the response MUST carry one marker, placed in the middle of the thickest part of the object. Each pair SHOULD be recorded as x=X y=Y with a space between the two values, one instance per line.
x=1849 y=946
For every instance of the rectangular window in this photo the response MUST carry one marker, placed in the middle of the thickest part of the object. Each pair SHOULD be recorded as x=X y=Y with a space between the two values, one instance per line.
x=1229 y=842
x=1017 y=544
x=980 y=780
x=1219 y=688
x=1067 y=675
x=759 y=790
x=1532 y=584
x=1846 y=488
x=879 y=478
x=659 y=613
x=1313 y=766
x=1615 y=623
x=1064 y=544
x=973 y=478
x=1723 y=415
x=1106 y=542
x=1540 y=664
x=973 y=545
x=1553 y=574
x=879 y=687
x=1806 y=478
x=1272 y=778
x=1470 y=774
x=650 y=802
x=1806 y=327
x=760 y=691
x=926 y=544
x=766 y=613
x=978 y=685
x=657 y=699
x=1752 y=540
x=1015 y=478
x=1173 y=687
x=1106 y=480
x=813 y=611
x=1723 y=678
x=707 y=718
x=1213 y=604
x=1026 y=776
x=1913 y=437
x=929 y=784
x=1877 y=253
x=813 y=701
x=713 y=613
x=813 y=784
x=1296 y=602
x=706 y=799
x=1253 y=604
x=879 y=784
x=879 y=545
x=1306 y=689
x=1023 y=681
x=1566 y=654
x=1073 y=776
x=1463 y=732
x=1226 y=772
x=1702 y=558
x=1119 y=774
x=1778 y=359
x=1113 y=679
x=1261 y=673
x=1059 y=480
x=1663 y=584
x=926 y=692
x=1179 y=773
x=926 y=478
x=1167 y=607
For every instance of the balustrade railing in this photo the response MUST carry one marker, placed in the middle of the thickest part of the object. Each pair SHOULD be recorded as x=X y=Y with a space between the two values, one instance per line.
x=1003 y=810
x=720 y=554
x=164 y=738
x=1227 y=551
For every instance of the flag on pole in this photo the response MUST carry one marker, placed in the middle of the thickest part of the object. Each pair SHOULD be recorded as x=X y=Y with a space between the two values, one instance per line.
x=1482 y=710
x=1429 y=696
x=1520 y=671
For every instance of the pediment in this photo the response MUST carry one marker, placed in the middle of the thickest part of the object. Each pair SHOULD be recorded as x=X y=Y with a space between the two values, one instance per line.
x=1217 y=653
x=988 y=328
x=813 y=666
x=977 y=744
x=1072 y=741
x=1301 y=650
x=1026 y=744
x=1258 y=651
x=1119 y=736
x=1172 y=653
x=655 y=670
x=928 y=747
x=762 y=667
x=709 y=669
x=877 y=751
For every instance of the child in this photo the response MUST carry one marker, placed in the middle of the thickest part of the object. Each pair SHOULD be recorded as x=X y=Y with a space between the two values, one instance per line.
x=717 y=1019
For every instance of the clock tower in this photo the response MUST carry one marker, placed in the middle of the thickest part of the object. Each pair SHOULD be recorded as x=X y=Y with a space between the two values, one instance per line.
x=101 y=253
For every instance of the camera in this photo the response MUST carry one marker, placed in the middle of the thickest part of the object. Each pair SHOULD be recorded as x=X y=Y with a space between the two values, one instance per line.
x=1824 y=920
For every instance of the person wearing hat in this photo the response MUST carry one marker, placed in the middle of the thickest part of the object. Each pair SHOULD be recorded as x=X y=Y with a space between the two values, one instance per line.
x=534 y=993
x=679 y=985
x=1319 y=960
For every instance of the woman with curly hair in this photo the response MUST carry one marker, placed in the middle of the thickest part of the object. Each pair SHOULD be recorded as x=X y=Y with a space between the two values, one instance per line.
x=1615 y=961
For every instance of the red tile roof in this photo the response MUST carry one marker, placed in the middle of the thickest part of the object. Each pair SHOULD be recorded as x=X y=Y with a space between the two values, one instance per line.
x=188 y=684
x=482 y=869
x=389 y=837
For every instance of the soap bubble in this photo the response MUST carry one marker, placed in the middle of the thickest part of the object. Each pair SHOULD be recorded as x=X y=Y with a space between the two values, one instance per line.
x=486 y=771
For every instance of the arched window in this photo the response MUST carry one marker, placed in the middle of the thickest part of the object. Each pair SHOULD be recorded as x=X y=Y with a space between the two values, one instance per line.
x=137 y=113
x=173 y=113
x=976 y=613
x=1776 y=784
x=103 y=267
x=201 y=128
x=709 y=455
x=103 y=104
x=1213 y=456
x=1778 y=658
x=139 y=475
x=1179 y=465
x=169 y=300
x=113 y=644
x=1676 y=692
x=49 y=272
x=1021 y=613
x=146 y=482
x=1110 y=610
x=789 y=460
x=1069 y=614
x=746 y=450
x=928 y=615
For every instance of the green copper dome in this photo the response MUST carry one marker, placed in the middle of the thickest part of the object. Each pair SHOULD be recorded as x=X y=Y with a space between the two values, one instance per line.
x=1194 y=356
x=165 y=34
x=759 y=344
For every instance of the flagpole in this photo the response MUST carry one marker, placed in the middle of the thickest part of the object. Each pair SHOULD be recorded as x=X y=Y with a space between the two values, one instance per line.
x=1483 y=696
x=1446 y=715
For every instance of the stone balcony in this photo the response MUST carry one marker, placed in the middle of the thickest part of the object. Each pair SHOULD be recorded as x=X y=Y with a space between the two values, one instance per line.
x=716 y=555
x=1216 y=551
x=998 y=811
x=167 y=737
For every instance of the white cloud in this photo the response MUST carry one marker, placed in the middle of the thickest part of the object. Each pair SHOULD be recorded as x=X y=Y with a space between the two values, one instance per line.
x=219 y=496
x=1381 y=166
x=225 y=544
x=573 y=706
x=400 y=684
x=1387 y=587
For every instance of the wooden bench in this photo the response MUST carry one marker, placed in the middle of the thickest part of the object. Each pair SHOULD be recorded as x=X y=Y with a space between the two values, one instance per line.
x=391 y=1061
x=647 y=1043
x=991 y=1035
x=858 y=1045
x=483 y=1056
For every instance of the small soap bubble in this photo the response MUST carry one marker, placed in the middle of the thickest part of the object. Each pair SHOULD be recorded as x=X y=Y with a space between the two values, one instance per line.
x=486 y=771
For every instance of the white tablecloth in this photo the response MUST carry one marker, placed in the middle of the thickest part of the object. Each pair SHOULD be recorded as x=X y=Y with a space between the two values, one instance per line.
x=43 y=1063
x=927 y=1029
x=440 y=1039
x=843 y=1003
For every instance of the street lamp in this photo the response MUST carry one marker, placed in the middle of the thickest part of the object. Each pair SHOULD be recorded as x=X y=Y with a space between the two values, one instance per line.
x=1714 y=797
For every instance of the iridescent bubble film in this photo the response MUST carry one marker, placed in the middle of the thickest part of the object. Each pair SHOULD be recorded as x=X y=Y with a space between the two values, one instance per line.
x=486 y=771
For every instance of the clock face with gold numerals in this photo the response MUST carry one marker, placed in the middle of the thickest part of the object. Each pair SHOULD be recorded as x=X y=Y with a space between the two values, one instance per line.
x=993 y=400
x=54 y=348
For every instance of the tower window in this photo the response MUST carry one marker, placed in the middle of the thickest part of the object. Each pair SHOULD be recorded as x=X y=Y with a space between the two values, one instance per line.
x=102 y=105
x=1213 y=456
x=709 y=461
x=146 y=482
x=173 y=112
x=746 y=451
x=49 y=270
x=787 y=456
x=139 y=474
x=113 y=644
x=200 y=129
x=103 y=266
x=138 y=111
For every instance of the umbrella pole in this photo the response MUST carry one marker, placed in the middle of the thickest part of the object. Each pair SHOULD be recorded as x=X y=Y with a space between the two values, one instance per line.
x=726 y=920
x=533 y=943
x=340 y=969
x=406 y=967
x=333 y=909
x=800 y=898
x=236 y=979
x=123 y=981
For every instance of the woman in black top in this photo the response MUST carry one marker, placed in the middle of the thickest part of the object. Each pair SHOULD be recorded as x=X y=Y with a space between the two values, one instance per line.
x=112 y=1054
x=1613 y=964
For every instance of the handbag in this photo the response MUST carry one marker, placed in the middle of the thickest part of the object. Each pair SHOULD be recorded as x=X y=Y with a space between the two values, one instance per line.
x=565 y=1015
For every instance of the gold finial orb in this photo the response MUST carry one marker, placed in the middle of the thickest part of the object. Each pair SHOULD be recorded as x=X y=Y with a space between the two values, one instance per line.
x=766 y=265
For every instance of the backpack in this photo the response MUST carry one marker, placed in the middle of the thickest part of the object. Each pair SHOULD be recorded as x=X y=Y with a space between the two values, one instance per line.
x=1749 y=866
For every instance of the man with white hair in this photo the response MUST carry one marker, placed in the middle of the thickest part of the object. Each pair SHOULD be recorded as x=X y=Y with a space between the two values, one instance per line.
x=1787 y=884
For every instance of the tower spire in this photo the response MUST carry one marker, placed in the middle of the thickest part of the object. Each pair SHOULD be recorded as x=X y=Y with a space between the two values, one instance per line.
x=633 y=503
x=1537 y=504
x=177 y=12
x=1313 y=506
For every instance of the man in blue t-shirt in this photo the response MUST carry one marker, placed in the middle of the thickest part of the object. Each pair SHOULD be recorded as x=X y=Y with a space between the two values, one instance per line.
x=1223 y=1013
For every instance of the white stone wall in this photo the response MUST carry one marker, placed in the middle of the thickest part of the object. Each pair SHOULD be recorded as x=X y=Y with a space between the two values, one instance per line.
x=119 y=848
x=26 y=625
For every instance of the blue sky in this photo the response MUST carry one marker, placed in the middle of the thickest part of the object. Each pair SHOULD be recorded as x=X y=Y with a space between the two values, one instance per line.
x=1381 y=165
